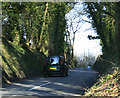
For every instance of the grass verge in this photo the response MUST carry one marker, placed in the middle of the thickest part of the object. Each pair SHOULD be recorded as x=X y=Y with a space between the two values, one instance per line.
x=109 y=82
x=107 y=85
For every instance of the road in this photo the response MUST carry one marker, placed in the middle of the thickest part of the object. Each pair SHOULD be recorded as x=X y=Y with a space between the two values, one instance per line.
x=75 y=84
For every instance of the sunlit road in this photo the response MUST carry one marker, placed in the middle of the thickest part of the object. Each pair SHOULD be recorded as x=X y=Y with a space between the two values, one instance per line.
x=74 y=85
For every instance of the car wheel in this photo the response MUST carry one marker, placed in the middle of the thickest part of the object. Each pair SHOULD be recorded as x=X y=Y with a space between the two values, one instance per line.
x=62 y=74
x=46 y=75
x=66 y=74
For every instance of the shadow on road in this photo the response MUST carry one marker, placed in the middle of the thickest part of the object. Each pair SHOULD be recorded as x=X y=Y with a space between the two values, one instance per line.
x=78 y=80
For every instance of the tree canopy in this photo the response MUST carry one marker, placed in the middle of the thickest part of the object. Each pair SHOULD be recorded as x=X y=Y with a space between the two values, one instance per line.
x=36 y=25
x=105 y=20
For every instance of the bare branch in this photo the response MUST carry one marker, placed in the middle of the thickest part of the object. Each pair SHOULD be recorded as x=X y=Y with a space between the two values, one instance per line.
x=87 y=21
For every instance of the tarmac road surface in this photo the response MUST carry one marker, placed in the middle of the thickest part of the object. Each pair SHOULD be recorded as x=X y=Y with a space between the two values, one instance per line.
x=75 y=84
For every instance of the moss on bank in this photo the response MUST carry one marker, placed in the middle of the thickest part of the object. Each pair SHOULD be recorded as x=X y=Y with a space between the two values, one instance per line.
x=19 y=63
x=106 y=62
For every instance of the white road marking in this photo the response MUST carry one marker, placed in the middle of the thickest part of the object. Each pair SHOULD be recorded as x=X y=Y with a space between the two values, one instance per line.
x=12 y=96
x=39 y=86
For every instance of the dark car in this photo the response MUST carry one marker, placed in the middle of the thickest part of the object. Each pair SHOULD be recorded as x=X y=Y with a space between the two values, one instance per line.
x=55 y=65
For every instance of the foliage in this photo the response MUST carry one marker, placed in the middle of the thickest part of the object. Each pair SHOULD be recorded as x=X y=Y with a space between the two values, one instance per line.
x=56 y=34
x=103 y=21
x=39 y=25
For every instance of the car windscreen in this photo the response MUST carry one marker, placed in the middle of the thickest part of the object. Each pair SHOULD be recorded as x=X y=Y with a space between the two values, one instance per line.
x=54 y=60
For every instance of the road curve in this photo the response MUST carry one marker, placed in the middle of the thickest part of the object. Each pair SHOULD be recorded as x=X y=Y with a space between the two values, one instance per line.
x=75 y=84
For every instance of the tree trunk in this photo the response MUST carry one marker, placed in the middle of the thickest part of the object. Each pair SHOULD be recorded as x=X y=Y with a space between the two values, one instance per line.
x=27 y=32
x=117 y=18
x=43 y=26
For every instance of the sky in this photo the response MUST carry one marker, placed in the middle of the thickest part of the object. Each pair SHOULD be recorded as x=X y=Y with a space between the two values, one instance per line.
x=82 y=45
